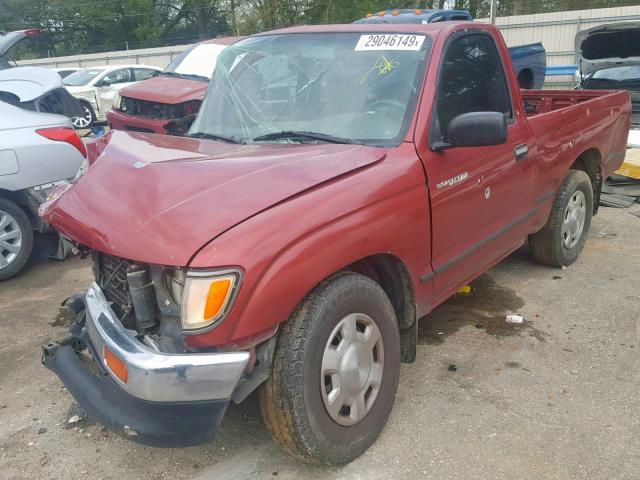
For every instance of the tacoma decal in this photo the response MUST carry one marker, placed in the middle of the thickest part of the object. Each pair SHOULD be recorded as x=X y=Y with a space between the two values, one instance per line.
x=453 y=180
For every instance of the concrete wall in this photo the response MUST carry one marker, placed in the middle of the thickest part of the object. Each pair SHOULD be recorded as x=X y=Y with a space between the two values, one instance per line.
x=159 y=57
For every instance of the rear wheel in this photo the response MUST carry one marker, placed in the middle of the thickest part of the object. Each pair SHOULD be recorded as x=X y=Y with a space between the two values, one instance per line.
x=335 y=372
x=562 y=239
x=87 y=119
x=16 y=239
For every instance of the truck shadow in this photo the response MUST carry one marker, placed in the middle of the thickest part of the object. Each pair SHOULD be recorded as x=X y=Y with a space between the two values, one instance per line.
x=484 y=308
x=43 y=246
x=247 y=451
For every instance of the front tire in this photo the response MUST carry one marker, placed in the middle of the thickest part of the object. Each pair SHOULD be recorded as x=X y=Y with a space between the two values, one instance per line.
x=335 y=373
x=16 y=239
x=561 y=240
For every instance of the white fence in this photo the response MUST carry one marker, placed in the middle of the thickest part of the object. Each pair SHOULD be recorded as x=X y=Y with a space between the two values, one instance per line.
x=556 y=31
x=158 y=57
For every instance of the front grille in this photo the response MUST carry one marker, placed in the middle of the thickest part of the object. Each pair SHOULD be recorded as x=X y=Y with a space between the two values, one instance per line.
x=112 y=278
x=133 y=128
x=144 y=108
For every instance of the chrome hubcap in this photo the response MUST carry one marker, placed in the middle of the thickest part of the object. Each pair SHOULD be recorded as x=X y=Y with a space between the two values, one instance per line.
x=84 y=121
x=352 y=368
x=573 y=222
x=10 y=239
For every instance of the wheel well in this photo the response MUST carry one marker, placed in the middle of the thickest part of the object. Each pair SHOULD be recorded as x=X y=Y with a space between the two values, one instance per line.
x=15 y=197
x=590 y=162
x=392 y=275
x=525 y=78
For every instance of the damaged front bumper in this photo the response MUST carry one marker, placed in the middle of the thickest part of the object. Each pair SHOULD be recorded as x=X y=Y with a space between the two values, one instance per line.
x=167 y=400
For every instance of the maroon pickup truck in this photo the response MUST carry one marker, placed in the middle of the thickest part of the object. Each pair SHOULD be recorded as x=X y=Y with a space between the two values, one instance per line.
x=338 y=183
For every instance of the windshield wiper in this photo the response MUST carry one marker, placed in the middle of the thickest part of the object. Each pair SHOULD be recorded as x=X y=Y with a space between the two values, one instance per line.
x=213 y=136
x=301 y=134
x=185 y=75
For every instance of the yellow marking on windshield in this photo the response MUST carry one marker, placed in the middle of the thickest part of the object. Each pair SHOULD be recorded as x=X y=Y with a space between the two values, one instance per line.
x=383 y=65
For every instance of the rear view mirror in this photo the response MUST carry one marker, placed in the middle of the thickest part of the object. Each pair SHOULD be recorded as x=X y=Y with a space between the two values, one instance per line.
x=475 y=129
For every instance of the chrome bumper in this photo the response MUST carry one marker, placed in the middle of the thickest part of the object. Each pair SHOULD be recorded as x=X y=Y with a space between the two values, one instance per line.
x=155 y=376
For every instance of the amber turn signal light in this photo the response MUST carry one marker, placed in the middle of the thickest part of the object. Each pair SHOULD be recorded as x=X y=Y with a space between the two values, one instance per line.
x=115 y=365
x=218 y=293
x=207 y=297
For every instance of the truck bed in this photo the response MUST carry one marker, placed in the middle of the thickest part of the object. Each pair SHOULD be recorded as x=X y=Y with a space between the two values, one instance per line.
x=537 y=102
x=567 y=123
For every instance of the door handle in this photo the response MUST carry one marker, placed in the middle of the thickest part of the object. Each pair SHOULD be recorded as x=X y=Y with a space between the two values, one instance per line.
x=522 y=152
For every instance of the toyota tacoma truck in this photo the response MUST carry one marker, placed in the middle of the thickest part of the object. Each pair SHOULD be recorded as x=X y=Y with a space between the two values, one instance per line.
x=338 y=183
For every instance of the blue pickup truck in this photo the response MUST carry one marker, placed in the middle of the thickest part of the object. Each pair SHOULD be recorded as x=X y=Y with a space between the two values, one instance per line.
x=529 y=61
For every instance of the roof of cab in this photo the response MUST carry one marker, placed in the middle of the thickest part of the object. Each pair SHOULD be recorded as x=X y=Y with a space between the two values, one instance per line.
x=223 y=40
x=431 y=28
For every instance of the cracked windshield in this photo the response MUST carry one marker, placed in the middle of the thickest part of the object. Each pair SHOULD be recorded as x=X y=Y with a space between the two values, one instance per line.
x=327 y=87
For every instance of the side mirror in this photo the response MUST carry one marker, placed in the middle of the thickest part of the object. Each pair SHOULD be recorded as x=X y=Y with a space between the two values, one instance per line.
x=103 y=83
x=475 y=129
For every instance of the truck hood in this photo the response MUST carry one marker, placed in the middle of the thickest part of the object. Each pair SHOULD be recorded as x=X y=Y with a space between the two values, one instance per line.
x=168 y=90
x=158 y=199
x=607 y=46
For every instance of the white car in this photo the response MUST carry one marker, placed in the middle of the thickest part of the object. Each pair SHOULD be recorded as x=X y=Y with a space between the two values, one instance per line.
x=65 y=71
x=96 y=88
x=39 y=149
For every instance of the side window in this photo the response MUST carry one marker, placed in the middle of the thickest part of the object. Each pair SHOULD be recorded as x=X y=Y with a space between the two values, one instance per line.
x=471 y=80
x=122 y=75
x=144 y=73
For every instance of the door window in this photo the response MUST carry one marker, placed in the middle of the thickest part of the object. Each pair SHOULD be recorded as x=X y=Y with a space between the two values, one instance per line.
x=122 y=75
x=144 y=73
x=471 y=79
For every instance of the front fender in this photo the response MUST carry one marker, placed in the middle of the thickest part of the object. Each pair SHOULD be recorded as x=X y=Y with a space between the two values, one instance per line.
x=287 y=250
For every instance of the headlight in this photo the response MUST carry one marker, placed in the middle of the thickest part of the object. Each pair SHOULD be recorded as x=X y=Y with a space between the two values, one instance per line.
x=117 y=100
x=208 y=297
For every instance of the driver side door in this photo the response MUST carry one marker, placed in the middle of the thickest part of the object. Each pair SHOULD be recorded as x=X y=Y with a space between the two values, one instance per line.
x=481 y=197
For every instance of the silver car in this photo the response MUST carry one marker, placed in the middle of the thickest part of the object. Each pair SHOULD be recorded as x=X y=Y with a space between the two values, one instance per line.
x=38 y=151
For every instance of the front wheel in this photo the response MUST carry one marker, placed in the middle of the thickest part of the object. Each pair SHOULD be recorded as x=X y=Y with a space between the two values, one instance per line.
x=87 y=119
x=562 y=239
x=335 y=373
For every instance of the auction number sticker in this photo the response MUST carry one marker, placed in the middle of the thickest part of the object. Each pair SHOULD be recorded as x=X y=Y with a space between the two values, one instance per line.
x=389 y=41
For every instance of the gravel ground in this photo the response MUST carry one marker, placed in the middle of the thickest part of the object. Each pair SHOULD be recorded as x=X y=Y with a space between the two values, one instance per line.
x=555 y=398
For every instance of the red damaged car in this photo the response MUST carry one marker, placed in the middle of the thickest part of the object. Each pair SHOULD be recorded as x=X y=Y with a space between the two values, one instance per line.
x=168 y=103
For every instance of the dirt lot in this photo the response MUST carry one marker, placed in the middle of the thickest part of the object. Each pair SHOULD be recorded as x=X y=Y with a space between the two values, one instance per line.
x=556 y=398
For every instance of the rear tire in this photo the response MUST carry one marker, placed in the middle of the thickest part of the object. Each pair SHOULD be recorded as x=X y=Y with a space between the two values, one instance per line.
x=326 y=415
x=561 y=240
x=16 y=239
